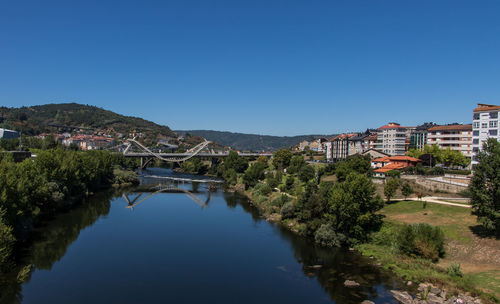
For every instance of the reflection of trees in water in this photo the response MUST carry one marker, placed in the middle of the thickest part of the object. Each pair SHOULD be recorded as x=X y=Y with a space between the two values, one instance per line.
x=233 y=199
x=337 y=264
x=51 y=240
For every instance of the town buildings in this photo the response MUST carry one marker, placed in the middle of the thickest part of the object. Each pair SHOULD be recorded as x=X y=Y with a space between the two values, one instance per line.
x=89 y=142
x=418 y=137
x=484 y=126
x=339 y=146
x=392 y=138
x=456 y=137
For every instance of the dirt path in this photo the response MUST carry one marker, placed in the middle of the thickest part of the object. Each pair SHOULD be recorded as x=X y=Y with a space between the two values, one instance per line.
x=432 y=199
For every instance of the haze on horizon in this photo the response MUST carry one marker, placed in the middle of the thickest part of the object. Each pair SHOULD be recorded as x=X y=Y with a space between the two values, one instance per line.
x=262 y=67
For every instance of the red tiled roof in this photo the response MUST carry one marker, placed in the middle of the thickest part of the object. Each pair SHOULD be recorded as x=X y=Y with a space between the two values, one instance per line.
x=343 y=136
x=390 y=167
x=481 y=107
x=451 y=128
x=392 y=126
x=388 y=159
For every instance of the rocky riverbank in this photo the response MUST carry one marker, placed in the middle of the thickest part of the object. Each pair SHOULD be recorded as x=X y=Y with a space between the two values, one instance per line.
x=429 y=294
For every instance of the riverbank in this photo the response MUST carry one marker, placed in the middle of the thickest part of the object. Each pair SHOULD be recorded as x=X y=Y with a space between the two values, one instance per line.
x=54 y=182
x=445 y=275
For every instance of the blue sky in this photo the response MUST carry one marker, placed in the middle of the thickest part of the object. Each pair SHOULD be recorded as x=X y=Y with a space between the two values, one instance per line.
x=270 y=67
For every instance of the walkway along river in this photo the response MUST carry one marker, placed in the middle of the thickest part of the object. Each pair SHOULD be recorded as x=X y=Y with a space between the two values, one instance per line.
x=169 y=249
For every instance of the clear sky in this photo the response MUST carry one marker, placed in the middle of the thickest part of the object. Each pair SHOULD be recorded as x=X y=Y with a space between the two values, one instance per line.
x=258 y=66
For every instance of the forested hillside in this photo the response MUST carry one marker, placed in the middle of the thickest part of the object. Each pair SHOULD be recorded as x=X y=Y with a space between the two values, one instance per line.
x=47 y=118
x=252 y=142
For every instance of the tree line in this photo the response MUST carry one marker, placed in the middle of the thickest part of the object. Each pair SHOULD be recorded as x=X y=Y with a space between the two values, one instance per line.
x=55 y=180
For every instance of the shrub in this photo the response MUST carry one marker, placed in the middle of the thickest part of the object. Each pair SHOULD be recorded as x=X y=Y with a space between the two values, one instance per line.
x=458 y=172
x=394 y=173
x=390 y=187
x=326 y=236
x=230 y=176
x=263 y=189
x=421 y=240
x=288 y=210
x=123 y=177
x=280 y=201
x=406 y=189
x=454 y=270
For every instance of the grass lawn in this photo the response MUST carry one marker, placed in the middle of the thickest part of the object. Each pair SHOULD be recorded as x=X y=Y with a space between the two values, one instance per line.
x=454 y=221
x=479 y=257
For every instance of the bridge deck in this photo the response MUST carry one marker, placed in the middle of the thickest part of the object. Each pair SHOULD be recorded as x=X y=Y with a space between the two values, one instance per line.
x=172 y=155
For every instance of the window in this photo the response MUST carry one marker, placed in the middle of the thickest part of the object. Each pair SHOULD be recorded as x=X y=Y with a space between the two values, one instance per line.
x=493 y=114
x=476 y=125
x=476 y=116
x=494 y=132
x=475 y=141
x=493 y=123
x=484 y=125
x=475 y=133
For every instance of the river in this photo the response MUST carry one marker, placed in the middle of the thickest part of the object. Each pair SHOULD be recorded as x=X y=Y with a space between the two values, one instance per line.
x=186 y=244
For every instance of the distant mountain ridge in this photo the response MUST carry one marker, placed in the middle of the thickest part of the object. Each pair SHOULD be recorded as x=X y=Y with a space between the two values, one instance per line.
x=251 y=142
x=46 y=118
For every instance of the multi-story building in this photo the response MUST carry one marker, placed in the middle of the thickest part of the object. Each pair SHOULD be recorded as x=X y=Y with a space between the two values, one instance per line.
x=356 y=144
x=338 y=147
x=485 y=125
x=370 y=142
x=418 y=137
x=392 y=138
x=328 y=149
x=456 y=137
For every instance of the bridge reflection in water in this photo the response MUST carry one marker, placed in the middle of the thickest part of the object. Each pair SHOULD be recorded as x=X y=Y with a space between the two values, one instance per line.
x=166 y=189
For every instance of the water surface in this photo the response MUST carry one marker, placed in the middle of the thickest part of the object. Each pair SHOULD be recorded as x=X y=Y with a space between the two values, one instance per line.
x=188 y=245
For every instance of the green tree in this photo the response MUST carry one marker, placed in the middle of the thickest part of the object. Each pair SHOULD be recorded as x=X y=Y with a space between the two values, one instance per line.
x=253 y=174
x=281 y=159
x=234 y=161
x=263 y=159
x=351 y=207
x=289 y=182
x=230 y=176
x=406 y=189
x=6 y=243
x=271 y=180
x=306 y=173
x=485 y=187
x=356 y=163
x=297 y=162
x=390 y=187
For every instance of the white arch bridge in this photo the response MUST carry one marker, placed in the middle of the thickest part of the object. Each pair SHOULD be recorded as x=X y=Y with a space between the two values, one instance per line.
x=200 y=150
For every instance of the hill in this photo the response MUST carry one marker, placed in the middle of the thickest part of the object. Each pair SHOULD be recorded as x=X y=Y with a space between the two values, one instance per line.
x=251 y=142
x=56 y=117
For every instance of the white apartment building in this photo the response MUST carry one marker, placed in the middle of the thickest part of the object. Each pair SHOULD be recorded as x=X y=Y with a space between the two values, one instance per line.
x=456 y=137
x=484 y=125
x=392 y=138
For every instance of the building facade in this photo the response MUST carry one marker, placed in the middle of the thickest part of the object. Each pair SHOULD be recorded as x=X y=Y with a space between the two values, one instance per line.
x=484 y=126
x=418 y=137
x=456 y=137
x=338 y=147
x=392 y=138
